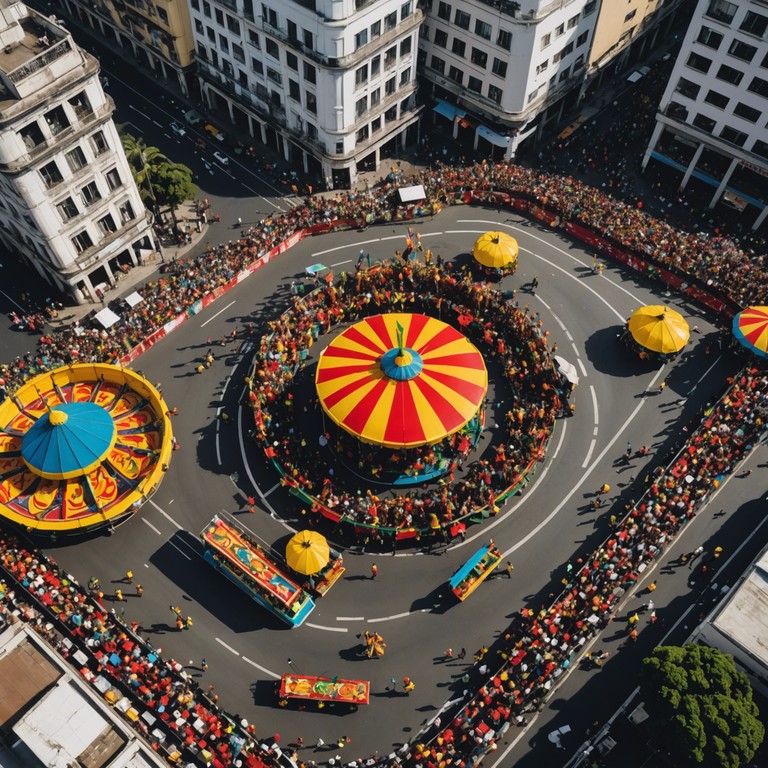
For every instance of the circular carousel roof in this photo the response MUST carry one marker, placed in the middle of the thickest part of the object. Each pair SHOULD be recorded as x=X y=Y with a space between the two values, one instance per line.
x=401 y=380
x=80 y=446
x=750 y=327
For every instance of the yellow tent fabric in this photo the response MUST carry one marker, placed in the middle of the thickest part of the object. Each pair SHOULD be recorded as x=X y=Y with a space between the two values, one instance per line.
x=659 y=329
x=496 y=250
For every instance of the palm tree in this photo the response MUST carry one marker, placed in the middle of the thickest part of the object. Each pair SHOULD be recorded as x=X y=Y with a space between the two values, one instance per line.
x=143 y=160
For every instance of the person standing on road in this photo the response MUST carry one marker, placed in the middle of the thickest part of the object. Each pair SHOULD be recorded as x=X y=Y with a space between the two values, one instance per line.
x=374 y=571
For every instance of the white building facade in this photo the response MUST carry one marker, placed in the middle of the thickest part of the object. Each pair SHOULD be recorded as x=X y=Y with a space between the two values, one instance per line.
x=330 y=84
x=68 y=202
x=712 y=124
x=501 y=74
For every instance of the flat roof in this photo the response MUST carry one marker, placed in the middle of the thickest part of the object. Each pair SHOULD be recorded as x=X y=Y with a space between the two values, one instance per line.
x=743 y=618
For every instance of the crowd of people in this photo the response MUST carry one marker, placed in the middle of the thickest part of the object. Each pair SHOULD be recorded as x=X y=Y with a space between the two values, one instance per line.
x=541 y=644
x=498 y=327
x=168 y=705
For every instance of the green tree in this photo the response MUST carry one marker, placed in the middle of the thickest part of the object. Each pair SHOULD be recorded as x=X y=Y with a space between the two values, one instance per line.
x=173 y=185
x=144 y=162
x=705 y=704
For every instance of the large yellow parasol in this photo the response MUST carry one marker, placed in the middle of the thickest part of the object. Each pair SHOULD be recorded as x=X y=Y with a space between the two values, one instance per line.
x=659 y=329
x=495 y=249
x=401 y=380
x=307 y=552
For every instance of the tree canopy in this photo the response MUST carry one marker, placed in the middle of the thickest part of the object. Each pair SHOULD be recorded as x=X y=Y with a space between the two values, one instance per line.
x=706 y=705
x=173 y=184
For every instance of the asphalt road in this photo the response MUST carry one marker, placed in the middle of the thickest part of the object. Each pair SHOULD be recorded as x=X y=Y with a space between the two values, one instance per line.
x=539 y=531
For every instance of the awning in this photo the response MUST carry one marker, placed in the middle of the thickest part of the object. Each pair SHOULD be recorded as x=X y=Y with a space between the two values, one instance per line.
x=412 y=194
x=448 y=110
x=495 y=138
x=107 y=317
x=132 y=299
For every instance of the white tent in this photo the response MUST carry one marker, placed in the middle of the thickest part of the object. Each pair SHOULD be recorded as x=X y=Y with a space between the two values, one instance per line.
x=107 y=317
x=132 y=299
x=412 y=194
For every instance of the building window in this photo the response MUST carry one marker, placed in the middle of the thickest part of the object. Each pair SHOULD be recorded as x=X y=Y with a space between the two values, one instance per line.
x=67 y=209
x=207 y=10
x=438 y=65
x=390 y=115
x=405 y=47
x=51 y=174
x=82 y=241
x=732 y=136
x=90 y=194
x=504 y=39
x=573 y=22
x=311 y=130
x=405 y=76
x=747 y=113
x=760 y=148
x=568 y=49
x=559 y=30
x=126 y=213
x=704 y=123
x=461 y=19
x=361 y=39
x=238 y=53
x=717 y=99
x=375 y=66
x=479 y=58
x=631 y=15
x=272 y=48
x=582 y=39
x=565 y=74
x=362 y=134
x=390 y=86
x=405 y=11
x=475 y=84
x=253 y=39
x=311 y=102
x=589 y=8
x=444 y=11
x=233 y=25
x=456 y=75
x=499 y=67
x=375 y=30
x=459 y=47
x=310 y=73
x=390 y=57
x=754 y=24
x=376 y=125
x=268 y=15
x=106 y=225
x=759 y=86
x=494 y=94
x=390 y=21
x=687 y=88
x=742 y=51
x=274 y=76
x=361 y=106
x=729 y=74
x=710 y=38
x=257 y=66
x=224 y=44
x=546 y=40
x=699 y=63
x=99 y=143
x=294 y=91
x=76 y=159
x=309 y=40
x=57 y=120
x=441 y=38
x=542 y=67
x=375 y=97
x=292 y=61
x=293 y=31
x=361 y=75
x=483 y=29
x=113 y=179
x=722 y=10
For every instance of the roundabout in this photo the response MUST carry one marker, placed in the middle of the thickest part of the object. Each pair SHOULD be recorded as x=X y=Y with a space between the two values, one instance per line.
x=409 y=593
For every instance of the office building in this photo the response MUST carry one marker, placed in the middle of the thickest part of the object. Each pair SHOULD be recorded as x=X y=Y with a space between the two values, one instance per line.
x=330 y=84
x=68 y=202
x=711 y=127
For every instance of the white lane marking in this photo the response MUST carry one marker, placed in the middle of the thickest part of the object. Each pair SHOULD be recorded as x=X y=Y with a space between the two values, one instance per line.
x=568 y=335
x=339 y=263
x=218 y=442
x=575 y=348
x=223 y=309
x=691 y=391
x=228 y=647
x=430 y=234
x=344 y=247
x=165 y=514
x=595 y=431
x=327 y=629
x=589 y=453
x=581 y=366
x=350 y=618
x=594 y=402
x=156 y=530
x=402 y=615
x=180 y=551
x=271 y=490
x=3 y=293
x=263 y=669
x=522 y=542
x=136 y=109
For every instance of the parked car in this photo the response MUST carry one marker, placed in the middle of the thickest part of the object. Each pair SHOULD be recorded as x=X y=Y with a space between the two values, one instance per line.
x=192 y=117
x=221 y=157
x=214 y=132
x=178 y=130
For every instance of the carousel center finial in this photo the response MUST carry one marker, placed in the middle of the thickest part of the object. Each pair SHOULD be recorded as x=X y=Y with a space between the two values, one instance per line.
x=401 y=363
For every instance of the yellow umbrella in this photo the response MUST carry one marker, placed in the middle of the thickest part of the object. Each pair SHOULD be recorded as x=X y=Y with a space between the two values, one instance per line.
x=495 y=249
x=307 y=552
x=659 y=329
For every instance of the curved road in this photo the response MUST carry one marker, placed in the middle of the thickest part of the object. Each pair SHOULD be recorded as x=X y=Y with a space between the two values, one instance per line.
x=539 y=530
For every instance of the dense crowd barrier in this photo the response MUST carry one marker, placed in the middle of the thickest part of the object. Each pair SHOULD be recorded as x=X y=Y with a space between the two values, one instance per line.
x=540 y=644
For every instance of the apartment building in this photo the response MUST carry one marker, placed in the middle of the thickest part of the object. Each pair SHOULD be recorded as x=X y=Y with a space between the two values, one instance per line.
x=712 y=123
x=68 y=203
x=156 y=33
x=330 y=84
x=497 y=74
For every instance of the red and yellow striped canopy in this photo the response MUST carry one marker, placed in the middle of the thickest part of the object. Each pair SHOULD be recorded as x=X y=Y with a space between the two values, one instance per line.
x=750 y=327
x=401 y=380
